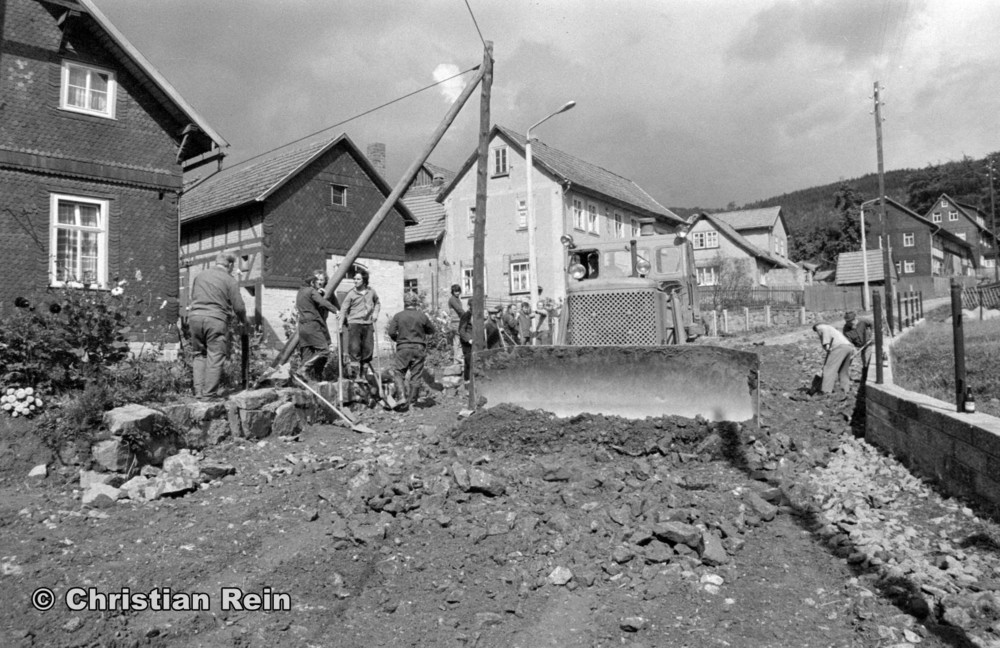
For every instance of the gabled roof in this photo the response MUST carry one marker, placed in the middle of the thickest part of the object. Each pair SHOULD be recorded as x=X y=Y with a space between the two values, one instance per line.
x=743 y=219
x=150 y=78
x=966 y=210
x=934 y=227
x=730 y=232
x=851 y=267
x=580 y=174
x=257 y=179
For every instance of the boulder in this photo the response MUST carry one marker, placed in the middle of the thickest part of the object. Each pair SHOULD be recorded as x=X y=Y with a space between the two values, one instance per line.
x=89 y=477
x=763 y=509
x=184 y=464
x=678 y=533
x=41 y=471
x=134 y=488
x=713 y=553
x=214 y=470
x=286 y=420
x=256 y=423
x=207 y=433
x=134 y=419
x=100 y=496
x=254 y=399
x=113 y=454
x=481 y=481
x=560 y=576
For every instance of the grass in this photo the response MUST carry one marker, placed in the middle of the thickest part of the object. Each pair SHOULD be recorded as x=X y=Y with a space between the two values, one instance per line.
x=924 y=362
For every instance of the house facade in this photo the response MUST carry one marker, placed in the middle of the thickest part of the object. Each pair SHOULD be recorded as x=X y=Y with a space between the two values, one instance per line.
x=93 y=144
x=969 y=224
x=422 y=268
x=754 y=242
x=921 y=248
x=288 y=213
x=570 y=197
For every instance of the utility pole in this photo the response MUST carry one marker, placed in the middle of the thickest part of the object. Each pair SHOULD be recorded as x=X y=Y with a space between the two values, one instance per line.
x=886 y=260
x=479 y=224
x=993 y=227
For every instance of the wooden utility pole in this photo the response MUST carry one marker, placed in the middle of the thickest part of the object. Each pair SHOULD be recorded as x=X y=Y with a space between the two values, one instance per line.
x=886 y=260
x=479 y=226
x=352 y=254
x=993 y=227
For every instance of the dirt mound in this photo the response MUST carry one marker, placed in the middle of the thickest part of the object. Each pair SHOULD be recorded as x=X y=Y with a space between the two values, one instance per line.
x=509 y=427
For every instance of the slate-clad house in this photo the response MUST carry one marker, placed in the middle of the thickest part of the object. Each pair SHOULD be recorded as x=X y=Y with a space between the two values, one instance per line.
x=922 y=248
x=969 y=224
x=289 y=212
x=93 y=143
x=423 y=240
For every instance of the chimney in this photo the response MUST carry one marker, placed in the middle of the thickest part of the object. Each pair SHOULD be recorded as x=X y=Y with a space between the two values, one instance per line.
x=376 y=155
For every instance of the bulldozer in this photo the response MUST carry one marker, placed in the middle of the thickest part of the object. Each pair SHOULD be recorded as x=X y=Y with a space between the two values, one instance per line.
x=628 y=342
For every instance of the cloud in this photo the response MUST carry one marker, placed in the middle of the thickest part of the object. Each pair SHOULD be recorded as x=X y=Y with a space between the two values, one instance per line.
x=452 y=85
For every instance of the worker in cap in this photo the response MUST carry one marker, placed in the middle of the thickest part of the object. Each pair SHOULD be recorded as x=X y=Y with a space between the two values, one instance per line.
x=215 y=301
x=860 y=332
x=411 y=330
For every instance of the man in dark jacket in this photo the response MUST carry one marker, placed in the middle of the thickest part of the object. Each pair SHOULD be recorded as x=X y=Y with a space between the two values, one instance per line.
x=410 y=329
x=215 y=297
x=861 y=335
x=314 y=336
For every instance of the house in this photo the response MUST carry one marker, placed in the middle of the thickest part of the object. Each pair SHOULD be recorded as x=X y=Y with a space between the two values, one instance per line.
x=570 y=197
x=756 y=240
x=290 y=212
x=93 y=144
x=921 y=248
x=422 y=267
x=969 y=224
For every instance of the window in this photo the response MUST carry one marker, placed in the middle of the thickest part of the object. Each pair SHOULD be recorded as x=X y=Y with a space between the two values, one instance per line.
x=87 y=89
x=636 y=230
x=500 y=167
x=909 y=267
x=898 y=268
x=522 y=214
x=908 y=239
x=578 y=214
x=472 y=220
x=702 y=240
x=466 y=281
x=936 y=217
x=953 y=216
x=78 y=241
x=592 y=218
x=708 y=276
x=338 y=195
x=619 y=226
x=518 y=277
x=410 y=286
x=944 y=204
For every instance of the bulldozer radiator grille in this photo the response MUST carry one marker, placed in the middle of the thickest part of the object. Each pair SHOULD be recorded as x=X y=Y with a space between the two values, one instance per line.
x=606 y=319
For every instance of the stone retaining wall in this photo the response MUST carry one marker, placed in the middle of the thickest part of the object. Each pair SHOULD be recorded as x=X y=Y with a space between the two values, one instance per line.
x=960 y=451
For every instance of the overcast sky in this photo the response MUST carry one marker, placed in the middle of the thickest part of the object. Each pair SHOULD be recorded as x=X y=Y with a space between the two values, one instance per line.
x=701 y=102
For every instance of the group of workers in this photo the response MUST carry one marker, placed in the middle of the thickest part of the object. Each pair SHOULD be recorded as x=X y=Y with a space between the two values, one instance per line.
x=857 y=336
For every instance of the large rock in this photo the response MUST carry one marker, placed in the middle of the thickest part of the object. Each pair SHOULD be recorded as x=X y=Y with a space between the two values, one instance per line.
x=713 y=552
x=183 y=464
x=151 y=432
x=286 y=420
x=678 y=533
x=254 y=399
x=90 y=477
x=207 y=433
x=100 y=496
x=763 y=509
x=256 y=423
x=134 y=488
x=113 y=454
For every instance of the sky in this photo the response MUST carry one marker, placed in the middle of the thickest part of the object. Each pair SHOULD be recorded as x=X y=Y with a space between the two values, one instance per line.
x=702 y=103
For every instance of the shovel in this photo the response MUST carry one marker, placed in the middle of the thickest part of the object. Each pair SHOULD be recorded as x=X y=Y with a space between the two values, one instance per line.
x=342 y=414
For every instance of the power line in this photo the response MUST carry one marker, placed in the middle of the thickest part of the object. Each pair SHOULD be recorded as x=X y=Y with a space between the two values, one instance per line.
x=474 y=22
x=361 y=114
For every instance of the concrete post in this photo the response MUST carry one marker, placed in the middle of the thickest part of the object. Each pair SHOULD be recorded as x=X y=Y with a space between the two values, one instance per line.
x=746 y=318
x=725 y=321
x=767 y=316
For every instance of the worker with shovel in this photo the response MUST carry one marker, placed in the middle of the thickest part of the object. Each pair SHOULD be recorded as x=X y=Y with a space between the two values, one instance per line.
x=410 y=329
x=314 y=336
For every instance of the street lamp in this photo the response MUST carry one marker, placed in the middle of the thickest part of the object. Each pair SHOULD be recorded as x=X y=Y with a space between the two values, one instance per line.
x=530 y=204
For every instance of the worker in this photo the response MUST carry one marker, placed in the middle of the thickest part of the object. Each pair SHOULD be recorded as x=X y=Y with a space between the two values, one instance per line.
x=455 y=311
x=314 y=336
x=528 y=323
x=510 y=324
x=466 y=338
x=860 y=333
x=410 y=329
x=493 y=326
x=215 y=300
x=544 y=328
x=837 y=364
x=359 y=312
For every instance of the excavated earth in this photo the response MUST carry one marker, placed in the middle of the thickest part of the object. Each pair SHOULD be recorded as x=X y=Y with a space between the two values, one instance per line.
x=508 y=527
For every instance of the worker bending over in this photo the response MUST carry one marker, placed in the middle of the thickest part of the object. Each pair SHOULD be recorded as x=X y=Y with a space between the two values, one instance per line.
x=839 y=352
x=410 y=329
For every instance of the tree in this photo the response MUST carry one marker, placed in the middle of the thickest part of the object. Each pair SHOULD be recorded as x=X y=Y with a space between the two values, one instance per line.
x=964 y=180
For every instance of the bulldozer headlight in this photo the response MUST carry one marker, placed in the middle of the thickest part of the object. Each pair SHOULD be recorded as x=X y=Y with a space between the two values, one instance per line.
x=643 y=267
x=577 y=271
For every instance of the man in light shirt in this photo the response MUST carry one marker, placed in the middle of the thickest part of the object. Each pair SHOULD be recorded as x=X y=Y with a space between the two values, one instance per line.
x=839 y=353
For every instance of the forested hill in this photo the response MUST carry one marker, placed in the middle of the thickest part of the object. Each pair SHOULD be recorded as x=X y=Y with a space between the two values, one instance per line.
x=820 y=218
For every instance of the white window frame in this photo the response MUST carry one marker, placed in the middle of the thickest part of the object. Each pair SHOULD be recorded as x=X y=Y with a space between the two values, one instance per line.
x=909 y=267
x=952 y=216
x=619 y=226
x=101 y=280
x=64 y=93
x=466 y=281
x=936 y=217
x=944 y=204
x=578 y=218
x=636 y=228
x=500 y=165
x=519 y=277
x=472 y=220
x=707 y=276
x=334 y=190
x=593 y=219
x=705 y=240
x=522 y=214
x=908 y=239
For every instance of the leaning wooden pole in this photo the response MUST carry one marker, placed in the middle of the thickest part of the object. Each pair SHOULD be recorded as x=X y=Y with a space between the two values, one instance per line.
x=390 y=202
x=479 y=226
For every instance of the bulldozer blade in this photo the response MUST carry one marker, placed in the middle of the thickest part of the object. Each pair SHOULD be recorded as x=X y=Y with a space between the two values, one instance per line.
x=633 y=382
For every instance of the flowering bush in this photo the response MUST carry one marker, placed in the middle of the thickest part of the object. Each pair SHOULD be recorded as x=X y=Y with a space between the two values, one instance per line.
x=20 y=402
